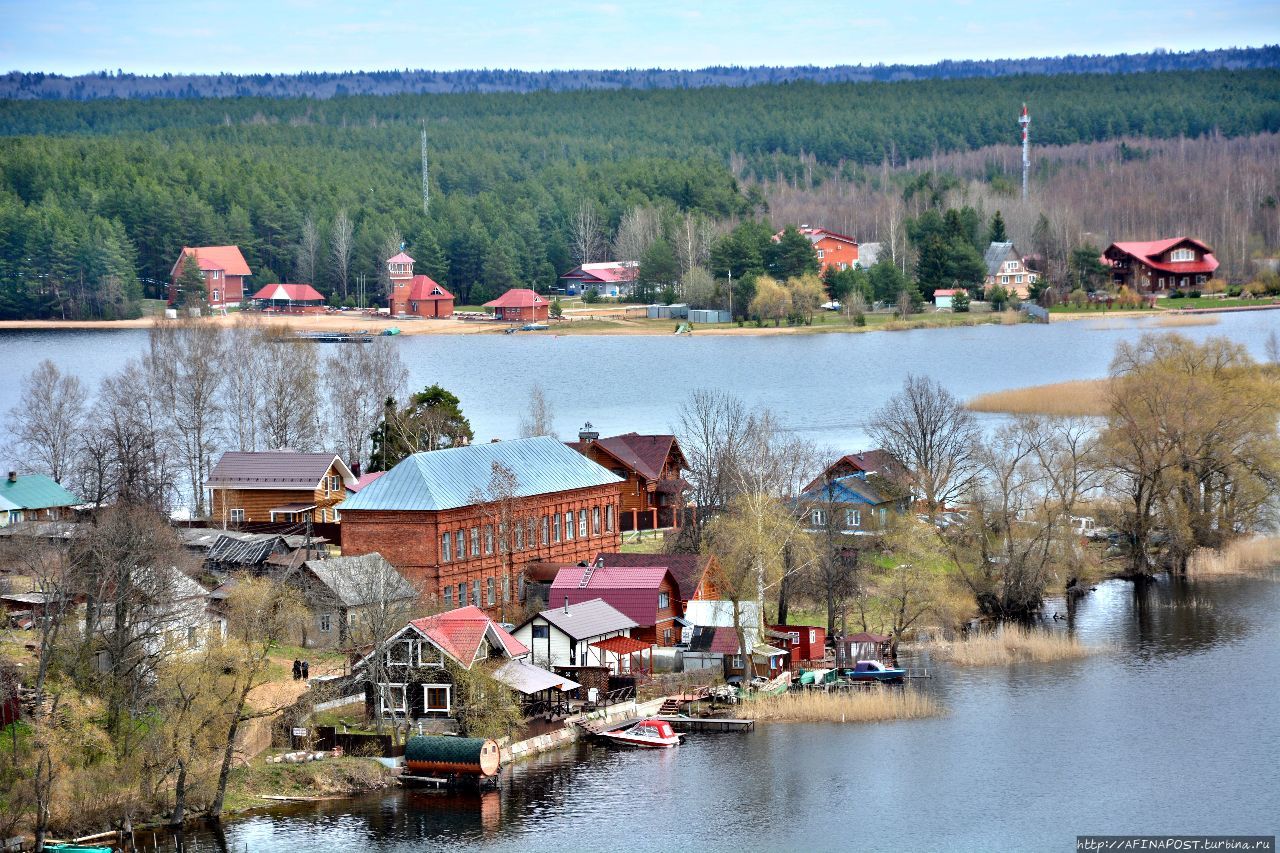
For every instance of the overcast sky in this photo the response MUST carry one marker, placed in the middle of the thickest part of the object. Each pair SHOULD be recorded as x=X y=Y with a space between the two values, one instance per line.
x=281 y=36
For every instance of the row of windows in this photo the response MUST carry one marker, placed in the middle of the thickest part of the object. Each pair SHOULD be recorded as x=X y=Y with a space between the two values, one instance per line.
x=460 y=545
x=1186 y=280
x=393 y=699
x=852 y=517
x=480 y=593
x=1004 y=279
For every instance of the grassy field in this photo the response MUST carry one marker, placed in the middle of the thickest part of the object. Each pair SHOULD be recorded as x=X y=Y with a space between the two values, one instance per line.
x=1213 y=302
x=1077 y=397
x=251 y=786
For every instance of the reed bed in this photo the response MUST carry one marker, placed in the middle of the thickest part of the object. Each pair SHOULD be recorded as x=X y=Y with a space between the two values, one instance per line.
x=1243 y=557
x=1012 y=644
x=870 y=705
x=1180 y=320
x=1077 y=397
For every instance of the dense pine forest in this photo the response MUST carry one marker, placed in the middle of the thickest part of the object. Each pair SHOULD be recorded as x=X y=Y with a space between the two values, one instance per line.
x=97 y=197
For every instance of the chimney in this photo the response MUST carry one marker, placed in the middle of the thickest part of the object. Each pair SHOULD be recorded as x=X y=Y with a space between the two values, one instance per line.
x=13 y=476
x=588 y=433
x=566 y=605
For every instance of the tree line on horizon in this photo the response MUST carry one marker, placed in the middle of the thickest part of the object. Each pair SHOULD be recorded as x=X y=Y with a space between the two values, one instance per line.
x=96 y=199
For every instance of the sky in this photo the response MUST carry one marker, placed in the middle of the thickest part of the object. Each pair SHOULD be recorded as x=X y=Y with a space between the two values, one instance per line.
x=287 y=36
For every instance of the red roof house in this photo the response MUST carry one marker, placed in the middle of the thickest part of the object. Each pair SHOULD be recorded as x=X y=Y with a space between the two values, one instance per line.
x=834 y=249
x=694 y=574
x=653 y=494
x=868 y=462
x=459 y=634
x=224 y=271
x=415 y=295
x=1157 y=266
x=290 y=298
x=520 y=305
x=648 y=595
x=807 y=642
x=608 y=278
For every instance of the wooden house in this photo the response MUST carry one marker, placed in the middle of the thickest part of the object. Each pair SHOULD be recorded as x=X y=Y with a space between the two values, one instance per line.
x=223 y=269
x=853 y=505
x=834 y=250
x=1007 y=268
x=33 y=498
x=520 y=305
x=343 y=591
x=564 y=636
x=648 y=596
x=653 y=492
x=290 y=299
x=806 y=642
x=429 y=516
x=415 y=295
x=277 y=486
x=872 y=463
x=1158 y=266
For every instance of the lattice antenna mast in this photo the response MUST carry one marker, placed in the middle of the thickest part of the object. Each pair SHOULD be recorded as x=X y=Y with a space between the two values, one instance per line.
x=426 y=187
x=1025 y=121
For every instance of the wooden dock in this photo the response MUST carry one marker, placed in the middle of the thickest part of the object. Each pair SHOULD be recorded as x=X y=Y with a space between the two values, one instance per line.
x=708 y=724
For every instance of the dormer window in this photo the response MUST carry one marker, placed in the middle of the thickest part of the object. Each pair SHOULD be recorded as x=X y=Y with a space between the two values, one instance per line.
x=1179 y=255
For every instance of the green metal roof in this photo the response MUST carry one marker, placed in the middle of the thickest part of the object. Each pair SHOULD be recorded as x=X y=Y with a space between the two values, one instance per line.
x=35 y=491
x=439 y=748
x=448 y=479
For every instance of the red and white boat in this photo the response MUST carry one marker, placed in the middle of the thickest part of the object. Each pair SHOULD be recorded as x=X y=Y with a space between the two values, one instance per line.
x=646 y=734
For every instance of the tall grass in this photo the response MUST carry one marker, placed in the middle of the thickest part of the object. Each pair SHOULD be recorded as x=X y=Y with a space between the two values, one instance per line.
x=1179 y=320
x=1077 y=397
x=871 y=705
x=1012 y=644
x=1241 y=557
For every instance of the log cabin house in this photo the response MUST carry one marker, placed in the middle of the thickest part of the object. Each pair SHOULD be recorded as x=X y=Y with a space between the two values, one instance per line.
x=653 y=492
x=435 y=517
x=33 y=498
x=1158 y=266
x=277 y=486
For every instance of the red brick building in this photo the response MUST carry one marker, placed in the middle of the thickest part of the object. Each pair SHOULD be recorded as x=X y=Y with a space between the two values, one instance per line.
x=223 y=269
x=834 y=249
x=653 y=495
x=415 y=295
x=1159 y=266
x=520 y=306
x=436 y=518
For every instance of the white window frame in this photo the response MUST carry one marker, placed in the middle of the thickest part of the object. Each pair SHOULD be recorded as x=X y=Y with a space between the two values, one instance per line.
x=555 y=527
x=408 y=659
x=490 y=592
x=583 y=530
x=608 y=518
x=448 y=698
x=595 y=521
x=821 y=254
x=428 y=654
x=475 y=542
x=326 y=623
x=1178 y=256
x=736 y=662
x=853 y=518
x=236 y=516
x=568 y=526
x=488 y=539
x=448 y=597
x=446 y=547
x=385 y=690
x=546 y=531
x=664 y=599
x=818 y=517
x=217 y=296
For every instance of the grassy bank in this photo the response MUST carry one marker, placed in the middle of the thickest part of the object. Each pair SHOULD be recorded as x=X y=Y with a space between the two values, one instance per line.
x=1256 y=556
x=259 y=784
x=1010 y=645
x=1077 y=397
x=844 y=706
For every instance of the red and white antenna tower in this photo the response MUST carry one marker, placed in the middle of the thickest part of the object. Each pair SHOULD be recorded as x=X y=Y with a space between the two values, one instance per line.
x=1025 y=121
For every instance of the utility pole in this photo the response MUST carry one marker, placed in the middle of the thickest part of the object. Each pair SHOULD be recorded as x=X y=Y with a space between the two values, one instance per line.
x=426 y=189
x=1025 y=121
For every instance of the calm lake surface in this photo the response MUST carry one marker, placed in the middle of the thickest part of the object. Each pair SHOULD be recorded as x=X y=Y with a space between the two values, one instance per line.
x=1172 y=729
x=823 y=385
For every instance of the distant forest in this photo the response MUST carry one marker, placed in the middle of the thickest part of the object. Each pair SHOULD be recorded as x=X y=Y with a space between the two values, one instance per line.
x=97 y=197
x=119 y=84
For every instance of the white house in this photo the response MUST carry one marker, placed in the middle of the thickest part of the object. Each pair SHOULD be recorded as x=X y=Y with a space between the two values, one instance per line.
x=563 y=636
x=944 y=300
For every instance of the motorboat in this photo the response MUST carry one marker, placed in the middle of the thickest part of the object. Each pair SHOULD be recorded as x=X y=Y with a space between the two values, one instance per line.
x=873 y=670
x=646 y=734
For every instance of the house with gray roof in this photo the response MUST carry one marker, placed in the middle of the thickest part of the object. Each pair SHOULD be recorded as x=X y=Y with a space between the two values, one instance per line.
x=563 y=636
x=280 y=486
x=1006 y=268
x=341 y=591
x=461 y=522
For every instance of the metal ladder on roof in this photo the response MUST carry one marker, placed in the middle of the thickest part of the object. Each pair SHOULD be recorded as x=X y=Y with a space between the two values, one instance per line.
x=586 y=576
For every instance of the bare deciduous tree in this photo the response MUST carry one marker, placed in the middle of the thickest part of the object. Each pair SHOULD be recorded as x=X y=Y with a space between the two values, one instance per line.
x=243 y=389
x=341 y=244
x=48 y=420
x=290 y=414
x=358 y=386
x=585 y=233
x=308 y=252
x=639 y=228
x=930 y=432
x=539 y=419
x=692 y=242
x=500 y=505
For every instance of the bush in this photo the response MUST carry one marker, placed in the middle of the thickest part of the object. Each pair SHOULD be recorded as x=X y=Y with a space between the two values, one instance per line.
x=960 y=303
x=590 y=297
x=1175 y=294
x=860 y=319
x=1126 y=298
x=1233 y=291
x=1078 y=298
x=1195 y=294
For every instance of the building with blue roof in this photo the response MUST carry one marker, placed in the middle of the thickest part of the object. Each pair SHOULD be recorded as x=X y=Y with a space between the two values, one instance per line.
x=852 y=504
x=462 y=522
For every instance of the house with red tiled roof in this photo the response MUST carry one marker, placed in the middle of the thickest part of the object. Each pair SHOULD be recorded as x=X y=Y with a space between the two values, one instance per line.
x=520 y=305
x=648 y=595
x=653 y=495
x=607 y=278
x=415 y=295
x=834 y=249
x=412 y=675
x=223 y=269
x=290 y=299
x=1158 y=266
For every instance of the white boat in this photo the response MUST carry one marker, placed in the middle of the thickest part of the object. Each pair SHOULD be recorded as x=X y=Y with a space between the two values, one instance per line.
x=646 y=734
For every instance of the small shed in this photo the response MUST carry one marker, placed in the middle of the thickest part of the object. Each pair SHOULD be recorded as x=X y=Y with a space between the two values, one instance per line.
x=944 y=300
x=861 y=646
x=704 y=315
x=807 y=642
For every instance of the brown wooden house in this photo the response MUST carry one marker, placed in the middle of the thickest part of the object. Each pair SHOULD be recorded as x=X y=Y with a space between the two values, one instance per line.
x=1158 y=266
x=653 y=494
x=277 y=486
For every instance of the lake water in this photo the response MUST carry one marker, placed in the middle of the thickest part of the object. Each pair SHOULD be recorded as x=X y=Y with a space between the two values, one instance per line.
x=823 y=385
x=1173 y=729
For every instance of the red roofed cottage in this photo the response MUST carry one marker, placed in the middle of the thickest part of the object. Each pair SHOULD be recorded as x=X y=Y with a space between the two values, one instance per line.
x=520 y=305
x=415 y=295
x=834 y=249
x=649 y=596
x=1157 y=266
x=223 y=269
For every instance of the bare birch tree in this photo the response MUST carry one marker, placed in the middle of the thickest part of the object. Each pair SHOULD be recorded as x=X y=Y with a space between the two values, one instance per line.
x=585 y=233
x=500 y=505
x=290 y=415
x=692 y=242
x=639 y=228
x=539 y=419
x=341 y=244
x=308 y=252
x=48 y=420
x=243 y=392
x=357 y=385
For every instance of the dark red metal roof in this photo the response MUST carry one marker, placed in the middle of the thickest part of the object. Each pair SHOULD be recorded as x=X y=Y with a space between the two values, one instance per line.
x=1148 y=251
x=621 y=645
x=687 y=570
x=631 y=591
x=423 y=289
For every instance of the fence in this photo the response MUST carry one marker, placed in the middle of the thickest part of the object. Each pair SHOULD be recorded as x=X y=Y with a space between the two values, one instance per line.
x=339 y=702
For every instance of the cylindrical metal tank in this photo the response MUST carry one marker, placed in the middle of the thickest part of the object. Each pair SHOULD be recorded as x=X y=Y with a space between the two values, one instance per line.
x=461 y=756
